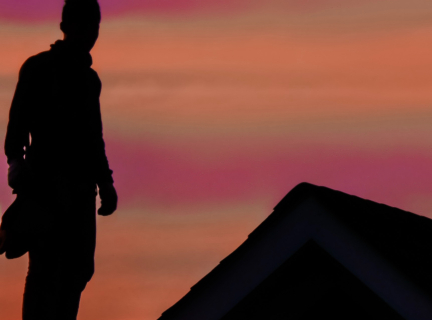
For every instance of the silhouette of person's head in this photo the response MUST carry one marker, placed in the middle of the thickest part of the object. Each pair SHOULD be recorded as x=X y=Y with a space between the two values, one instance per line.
x=80 y=23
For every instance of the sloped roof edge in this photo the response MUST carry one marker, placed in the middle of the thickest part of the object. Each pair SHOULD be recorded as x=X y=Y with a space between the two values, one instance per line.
x=402 y=238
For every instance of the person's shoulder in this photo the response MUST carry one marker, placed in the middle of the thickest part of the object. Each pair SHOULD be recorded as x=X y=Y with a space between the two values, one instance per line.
x=36 y=63
x=94 y=74
x=95 y=77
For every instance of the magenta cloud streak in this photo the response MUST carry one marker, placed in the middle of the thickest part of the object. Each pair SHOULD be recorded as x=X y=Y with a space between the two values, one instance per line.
x=145 y=173
x=32 y=10
x=150 y=174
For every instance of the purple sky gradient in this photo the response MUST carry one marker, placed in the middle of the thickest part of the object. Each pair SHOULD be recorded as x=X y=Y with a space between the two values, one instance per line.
x=173 y=176
x=32 y=10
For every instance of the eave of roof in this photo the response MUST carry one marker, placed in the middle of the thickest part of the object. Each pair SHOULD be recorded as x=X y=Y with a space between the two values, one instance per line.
x=401 y=237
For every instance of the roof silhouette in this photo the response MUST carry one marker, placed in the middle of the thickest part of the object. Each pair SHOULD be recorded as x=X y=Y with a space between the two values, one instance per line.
x=388 y=249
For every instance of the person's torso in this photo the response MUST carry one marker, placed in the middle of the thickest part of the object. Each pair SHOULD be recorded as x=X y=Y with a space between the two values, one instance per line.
x=63 y=117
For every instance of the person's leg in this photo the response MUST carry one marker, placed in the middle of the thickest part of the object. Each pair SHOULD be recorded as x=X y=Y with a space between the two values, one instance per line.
x=61 y=262
x=51 y=297
x=68 y=301
x=39 y=292
x=68 y=298
x=39 y=296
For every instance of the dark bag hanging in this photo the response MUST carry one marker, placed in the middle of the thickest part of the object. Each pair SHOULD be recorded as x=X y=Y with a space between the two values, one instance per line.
x=16 y=227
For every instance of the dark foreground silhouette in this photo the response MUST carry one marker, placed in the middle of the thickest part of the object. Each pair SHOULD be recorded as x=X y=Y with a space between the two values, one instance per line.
x=56 y=156
x=321 y=254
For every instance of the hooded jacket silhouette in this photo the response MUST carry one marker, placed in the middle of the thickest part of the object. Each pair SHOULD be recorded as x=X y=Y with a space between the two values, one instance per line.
x=54 y=138
x=57 y=102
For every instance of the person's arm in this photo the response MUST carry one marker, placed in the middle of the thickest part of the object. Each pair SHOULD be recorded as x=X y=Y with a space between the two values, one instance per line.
x=17 y=135
x=104 y=178
x=103 y=171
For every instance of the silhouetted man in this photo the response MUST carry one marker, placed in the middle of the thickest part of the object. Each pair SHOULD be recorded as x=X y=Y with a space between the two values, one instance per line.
x=56 y=156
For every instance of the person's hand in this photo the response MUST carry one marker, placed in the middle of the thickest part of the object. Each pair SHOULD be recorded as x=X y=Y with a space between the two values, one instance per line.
x=16 y=174
x=108 y=196
x=2 y=241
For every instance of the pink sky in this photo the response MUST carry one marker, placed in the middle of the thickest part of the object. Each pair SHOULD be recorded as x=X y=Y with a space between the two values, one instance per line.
x=214 y=110
x=31 y=10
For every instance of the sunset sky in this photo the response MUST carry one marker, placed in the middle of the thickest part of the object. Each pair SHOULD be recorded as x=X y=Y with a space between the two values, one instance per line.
x=213 y=110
